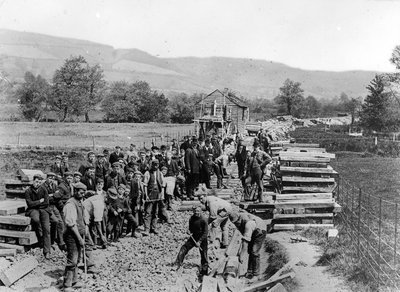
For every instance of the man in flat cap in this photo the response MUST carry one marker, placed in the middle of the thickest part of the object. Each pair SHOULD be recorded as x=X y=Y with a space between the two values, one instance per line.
x=56 y=167
x=56 y=221
x=64 y=191
x=116 y=155
x=136 y=197
x=90 y=162
x=37 y=200
x=154 y=194
x=101 y=170
x=192 y=168
x=114 y=178
x=89 y=179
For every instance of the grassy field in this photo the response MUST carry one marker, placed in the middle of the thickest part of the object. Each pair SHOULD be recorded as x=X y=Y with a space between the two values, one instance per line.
x=75 y=135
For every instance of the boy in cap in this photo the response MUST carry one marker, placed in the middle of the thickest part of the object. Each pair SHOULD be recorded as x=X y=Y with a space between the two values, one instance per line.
x=136 y=197
x=56 y=167
x=91 y=160
x=143 y=162
x=100 y=167
x=115 y=213
x=64 y=162
x=37 y=200
x=77 y=177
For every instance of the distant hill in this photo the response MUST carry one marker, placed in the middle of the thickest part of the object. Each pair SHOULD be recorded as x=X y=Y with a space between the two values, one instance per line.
x=43 y=54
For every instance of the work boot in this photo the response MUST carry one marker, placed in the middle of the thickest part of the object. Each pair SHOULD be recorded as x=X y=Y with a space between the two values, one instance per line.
x=136 y=235
x=145 y=232
x=68 y=278
x=249 y=275
x=78 y=285
x=47 y=256
x=92 y=270
x=154 y=231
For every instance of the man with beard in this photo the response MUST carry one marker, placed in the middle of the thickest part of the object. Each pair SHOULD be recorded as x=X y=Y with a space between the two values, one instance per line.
x=37 y=200
x=114 y=179
x=89 y=179
x=91 y=157
x=143 y=162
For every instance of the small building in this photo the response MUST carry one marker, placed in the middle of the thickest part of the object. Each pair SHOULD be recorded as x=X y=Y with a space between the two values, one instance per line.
x=221 y=113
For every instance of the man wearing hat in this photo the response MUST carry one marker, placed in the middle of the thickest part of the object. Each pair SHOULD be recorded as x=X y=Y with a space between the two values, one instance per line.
x=254 y=231
x=75 y=236
x=154 y=195
x=56 y=167
x=192 y=167
x=114 y=179
x=64 y=191
x=77 y=177
x=131 y=153
x=91 y=159
x=64 y=162
x=143 y=162
x=56 y=221
x=37 y=200
x=240 y=157
x=198 y=228
x=116 y=155
x=255 y=167
x=136 y=196
x=89 y=179
x=100 y=167
x=186 y=143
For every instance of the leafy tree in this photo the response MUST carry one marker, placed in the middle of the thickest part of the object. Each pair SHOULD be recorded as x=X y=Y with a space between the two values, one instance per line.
x=32 y=96
x=312 y=106
x=181 y=108
x=290 y=96
x=77 y=87
x=374 y=112
x=353 y=106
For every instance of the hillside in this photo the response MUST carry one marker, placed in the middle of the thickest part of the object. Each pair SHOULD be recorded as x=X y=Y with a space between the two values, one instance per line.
x=42 y=54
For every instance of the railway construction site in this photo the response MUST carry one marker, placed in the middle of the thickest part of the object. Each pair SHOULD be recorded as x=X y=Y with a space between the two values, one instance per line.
x=299 y=193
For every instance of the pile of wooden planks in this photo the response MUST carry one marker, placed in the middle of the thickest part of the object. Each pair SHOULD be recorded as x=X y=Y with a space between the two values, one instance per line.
x=15 y=188
x=308 y=182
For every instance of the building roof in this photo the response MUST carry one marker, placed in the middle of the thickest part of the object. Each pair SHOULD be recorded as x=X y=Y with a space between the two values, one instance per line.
x=229 y=95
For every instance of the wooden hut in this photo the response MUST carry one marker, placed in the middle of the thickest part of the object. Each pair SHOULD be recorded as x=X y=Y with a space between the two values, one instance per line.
x=221 y=113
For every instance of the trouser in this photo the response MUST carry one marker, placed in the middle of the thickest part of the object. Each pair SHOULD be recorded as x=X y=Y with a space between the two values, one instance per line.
x=150 y=217
x=257 y=239
x=132 y=223
x=56 y=226
x=40 y=220
x=189 y=244
x=220 y=223
x=256 y=177
x=204 y=175
x=241 y=168
x=162 y=211
x=170 y=182
x=218 y=172
x=192 y=182
x=180 y=186
x=74 y=251
x=114 y=226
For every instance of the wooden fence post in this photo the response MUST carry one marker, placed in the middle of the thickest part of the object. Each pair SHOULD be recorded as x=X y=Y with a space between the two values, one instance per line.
x=19 y=139
x=359 y=221
x=94 y=144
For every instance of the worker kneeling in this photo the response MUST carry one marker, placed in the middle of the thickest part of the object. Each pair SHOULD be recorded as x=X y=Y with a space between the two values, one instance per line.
x=254 y=231
x=198 y=229
x=213 y=204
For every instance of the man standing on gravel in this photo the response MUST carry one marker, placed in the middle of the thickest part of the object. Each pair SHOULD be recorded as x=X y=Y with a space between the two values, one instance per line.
x=192 y=168
x=254 y=231
x=198 y=228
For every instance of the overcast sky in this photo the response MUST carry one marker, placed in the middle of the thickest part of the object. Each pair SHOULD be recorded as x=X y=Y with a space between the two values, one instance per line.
x=309 y=34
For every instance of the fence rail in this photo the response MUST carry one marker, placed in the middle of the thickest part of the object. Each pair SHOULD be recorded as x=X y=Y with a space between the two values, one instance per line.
x=372 y=224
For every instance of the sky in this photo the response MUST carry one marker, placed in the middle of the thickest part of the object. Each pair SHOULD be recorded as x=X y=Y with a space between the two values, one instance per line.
x=333 y=35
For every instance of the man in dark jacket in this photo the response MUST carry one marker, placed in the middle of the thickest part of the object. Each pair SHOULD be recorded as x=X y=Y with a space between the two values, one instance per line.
x=91 y=160
x=89 y=179
x=198 y=228
x=37 y=200
x=101 y=170
x=116 y=155
x=64 y=191
x=192 y=168
x=241 y=156
x=114 y=179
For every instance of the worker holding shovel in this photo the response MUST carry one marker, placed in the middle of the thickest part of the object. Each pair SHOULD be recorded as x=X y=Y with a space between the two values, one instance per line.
x=198 y=227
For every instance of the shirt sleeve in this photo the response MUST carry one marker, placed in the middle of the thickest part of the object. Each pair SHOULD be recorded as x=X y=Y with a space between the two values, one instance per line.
x=146 y=178
x=70 y=215
x=248 y=230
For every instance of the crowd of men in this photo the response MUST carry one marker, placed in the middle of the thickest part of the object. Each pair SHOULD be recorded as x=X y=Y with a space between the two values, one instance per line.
x=115 y=194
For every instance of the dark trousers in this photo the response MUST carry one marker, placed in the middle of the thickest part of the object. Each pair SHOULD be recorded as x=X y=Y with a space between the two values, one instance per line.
x=192 y=182
x=74 y=251
x=114 y=226
x=189 y=244
x=150 y=217
x=218 y=172
x=132 y=223
x=56 y=226
x=256 y=177
x=40 y=220
x=162 y=211
x=204 y=175
x=257 y=239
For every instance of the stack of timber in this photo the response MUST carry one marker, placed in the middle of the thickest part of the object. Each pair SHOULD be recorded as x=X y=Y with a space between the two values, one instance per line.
x=15 y=188
x=308 y=182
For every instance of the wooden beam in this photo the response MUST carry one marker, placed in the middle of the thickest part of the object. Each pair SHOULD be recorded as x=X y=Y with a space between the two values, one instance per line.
x=18 y=248
x=304 y=196
x=308 y=189
x=12 y=207
x=15 y=220
x=296 y=158
x=313 y=215
x=301 y=179
x=282 y=227
x=301 y=145
x=316 y=170
x=306 y=154
x=267 y=283
x=278 y=288
x=243 y=266
x=219 y=267
x=312 y=204
x=18 y=270
x=234 y=244
x=232 y=267
x=8 y=252
x=30 y=235
x=304 y=149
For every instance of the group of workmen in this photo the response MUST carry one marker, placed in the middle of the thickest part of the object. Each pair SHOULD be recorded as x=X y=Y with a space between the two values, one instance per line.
x=88 y=208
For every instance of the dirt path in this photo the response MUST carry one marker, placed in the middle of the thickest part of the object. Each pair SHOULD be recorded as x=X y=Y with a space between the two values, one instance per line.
x=309 y=276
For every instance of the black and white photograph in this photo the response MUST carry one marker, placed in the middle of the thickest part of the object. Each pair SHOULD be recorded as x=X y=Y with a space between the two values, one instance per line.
x=200 y=146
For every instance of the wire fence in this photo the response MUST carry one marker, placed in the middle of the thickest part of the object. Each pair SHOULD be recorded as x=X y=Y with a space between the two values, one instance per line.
x=372 y=223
